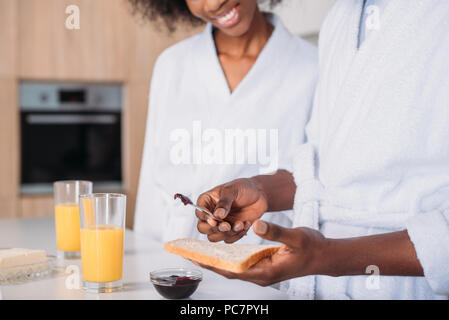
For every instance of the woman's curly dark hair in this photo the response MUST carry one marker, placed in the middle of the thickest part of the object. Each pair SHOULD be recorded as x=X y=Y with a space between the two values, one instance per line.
x=171 y=11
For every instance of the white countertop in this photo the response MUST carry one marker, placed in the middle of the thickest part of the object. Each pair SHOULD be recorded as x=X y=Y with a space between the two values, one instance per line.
x=141 y=257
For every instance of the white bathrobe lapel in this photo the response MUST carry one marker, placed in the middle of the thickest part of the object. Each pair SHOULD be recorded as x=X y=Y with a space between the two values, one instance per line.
x=269 y=58
x=346 y=115
x=211 y=73
x=208 y=67
x=221 y=101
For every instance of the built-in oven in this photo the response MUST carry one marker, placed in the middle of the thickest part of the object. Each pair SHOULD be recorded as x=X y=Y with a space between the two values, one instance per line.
x=70 y=131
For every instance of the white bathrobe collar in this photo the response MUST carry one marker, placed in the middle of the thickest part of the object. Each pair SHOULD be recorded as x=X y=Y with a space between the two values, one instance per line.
x=208 y=62
x=210 y=73
x=356 y=64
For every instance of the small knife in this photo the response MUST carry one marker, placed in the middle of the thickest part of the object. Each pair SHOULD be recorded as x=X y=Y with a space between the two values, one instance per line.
x=186 y=201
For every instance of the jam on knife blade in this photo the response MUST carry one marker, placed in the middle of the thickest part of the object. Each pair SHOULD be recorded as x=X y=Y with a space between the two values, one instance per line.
x=185 y=200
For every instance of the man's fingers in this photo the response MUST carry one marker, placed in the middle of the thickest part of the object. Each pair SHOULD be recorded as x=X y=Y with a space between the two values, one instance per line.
x=216 y=237
x=201 y=215
x=206 y=201
x=205 y=228
x=259 y=273
x=246 y=276
x=236 y=227
x=277 y=233
x=224 y=226
x=223 y=236
x=204 y=217
x=219 y=204
x=212 y=222
x=228 y=194
x=227 y=274
x=236 y=237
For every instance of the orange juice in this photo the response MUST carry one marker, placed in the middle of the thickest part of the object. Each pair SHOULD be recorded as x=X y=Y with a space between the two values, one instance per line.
x=67 y=222
x=102 y=253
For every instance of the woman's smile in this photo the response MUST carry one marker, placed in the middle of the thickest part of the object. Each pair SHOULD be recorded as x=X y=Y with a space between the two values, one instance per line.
x=229 y=18
x=234 y=18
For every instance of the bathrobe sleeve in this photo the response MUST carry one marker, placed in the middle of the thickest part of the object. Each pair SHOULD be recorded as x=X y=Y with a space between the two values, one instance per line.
x=429 y=233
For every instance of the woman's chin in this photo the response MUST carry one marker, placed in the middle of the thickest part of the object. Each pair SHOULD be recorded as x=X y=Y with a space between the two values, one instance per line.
x=237 y=30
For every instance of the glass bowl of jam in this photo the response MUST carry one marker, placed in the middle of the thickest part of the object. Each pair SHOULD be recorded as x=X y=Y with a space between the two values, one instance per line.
x=176 y=283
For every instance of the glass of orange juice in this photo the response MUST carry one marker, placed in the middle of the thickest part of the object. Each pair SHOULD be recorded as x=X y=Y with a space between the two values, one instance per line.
x=102 y=232
x=67 y=217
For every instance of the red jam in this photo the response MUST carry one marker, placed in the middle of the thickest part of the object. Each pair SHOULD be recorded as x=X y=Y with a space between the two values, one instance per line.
x=183 y=198
x=176 y=287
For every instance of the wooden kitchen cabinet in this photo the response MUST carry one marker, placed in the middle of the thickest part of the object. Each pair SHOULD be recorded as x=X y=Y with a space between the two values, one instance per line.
x=9 y=171
x=8 y=38
x=36 y=206
x=95 y=52
x=9 y=148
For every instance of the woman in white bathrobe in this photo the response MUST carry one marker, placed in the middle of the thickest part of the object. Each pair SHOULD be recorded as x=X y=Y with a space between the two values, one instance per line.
x=375 y=168
x=246 y=75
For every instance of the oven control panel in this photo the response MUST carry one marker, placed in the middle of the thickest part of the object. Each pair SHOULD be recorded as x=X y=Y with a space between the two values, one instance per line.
x=47 y=96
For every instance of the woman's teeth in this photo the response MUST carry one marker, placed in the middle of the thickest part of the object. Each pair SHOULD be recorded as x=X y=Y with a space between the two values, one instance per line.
x=229 y=18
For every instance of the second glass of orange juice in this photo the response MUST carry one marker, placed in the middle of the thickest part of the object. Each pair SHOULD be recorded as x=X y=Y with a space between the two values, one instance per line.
x=102 y=239
x=67 y=218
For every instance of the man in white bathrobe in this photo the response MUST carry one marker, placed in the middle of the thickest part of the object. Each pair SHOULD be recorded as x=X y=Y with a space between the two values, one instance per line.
x=375 y=169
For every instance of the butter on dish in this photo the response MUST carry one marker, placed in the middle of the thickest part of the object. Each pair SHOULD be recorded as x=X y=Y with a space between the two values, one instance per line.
x=19 y=259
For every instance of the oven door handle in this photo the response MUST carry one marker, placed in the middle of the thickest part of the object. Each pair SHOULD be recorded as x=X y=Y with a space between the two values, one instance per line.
x=57 y=119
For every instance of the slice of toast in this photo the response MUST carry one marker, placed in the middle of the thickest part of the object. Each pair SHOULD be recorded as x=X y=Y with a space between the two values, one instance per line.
x=231 y=257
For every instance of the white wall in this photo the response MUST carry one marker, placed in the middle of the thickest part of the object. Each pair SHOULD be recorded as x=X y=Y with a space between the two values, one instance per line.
x=304 y=17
